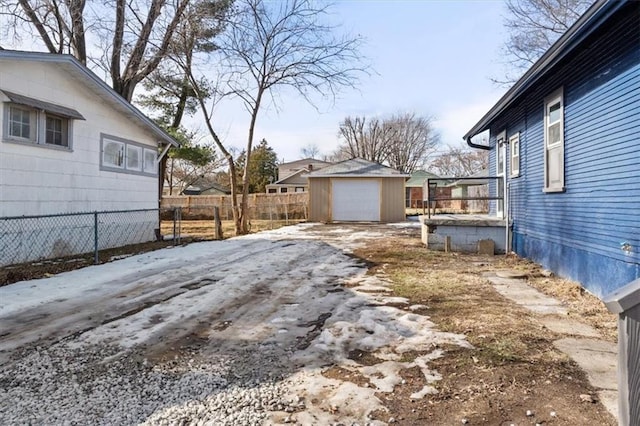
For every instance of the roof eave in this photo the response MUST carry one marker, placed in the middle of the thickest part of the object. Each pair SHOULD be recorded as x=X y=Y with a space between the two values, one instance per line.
x=354 y=175
x=108 y=91
x=583 y=27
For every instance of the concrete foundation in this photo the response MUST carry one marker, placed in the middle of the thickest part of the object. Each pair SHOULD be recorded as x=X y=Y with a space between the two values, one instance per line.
x=463 y=233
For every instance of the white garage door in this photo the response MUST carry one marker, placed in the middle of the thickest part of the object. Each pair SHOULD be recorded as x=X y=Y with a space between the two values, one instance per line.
x=356 y=199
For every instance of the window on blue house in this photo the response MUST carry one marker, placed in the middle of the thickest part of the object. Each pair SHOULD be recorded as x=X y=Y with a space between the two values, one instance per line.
x=514 y=149
x=554 y=142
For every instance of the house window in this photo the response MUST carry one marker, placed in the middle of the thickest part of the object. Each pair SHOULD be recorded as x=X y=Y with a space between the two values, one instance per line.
x=554 y=143
x=113 y=154
x=56 y=130
x=36 y=126
x=125 y=156
x=283 y=190
x=500 y=154
x=514 y=149
x=134 y=158
x=299 y=189
x=271 y=190
x=150 y=161
x=22 y=123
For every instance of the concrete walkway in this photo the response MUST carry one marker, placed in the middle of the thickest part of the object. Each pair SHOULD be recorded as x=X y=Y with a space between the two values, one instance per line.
x=583 y=344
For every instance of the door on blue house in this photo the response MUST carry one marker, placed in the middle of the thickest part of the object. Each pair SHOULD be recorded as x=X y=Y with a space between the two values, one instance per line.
x=501 y=166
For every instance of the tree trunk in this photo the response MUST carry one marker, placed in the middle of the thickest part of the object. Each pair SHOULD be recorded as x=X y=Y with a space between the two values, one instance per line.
x=243 y=224
x=182 y=102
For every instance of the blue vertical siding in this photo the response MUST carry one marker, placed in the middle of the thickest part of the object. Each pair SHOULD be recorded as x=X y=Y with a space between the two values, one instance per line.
x=581 y=233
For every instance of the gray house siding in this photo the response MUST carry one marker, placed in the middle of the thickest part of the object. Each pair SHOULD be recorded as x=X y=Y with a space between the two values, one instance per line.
x=591 y=231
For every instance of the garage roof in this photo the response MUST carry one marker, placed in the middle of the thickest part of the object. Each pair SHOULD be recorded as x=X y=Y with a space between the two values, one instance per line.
x=357 y=167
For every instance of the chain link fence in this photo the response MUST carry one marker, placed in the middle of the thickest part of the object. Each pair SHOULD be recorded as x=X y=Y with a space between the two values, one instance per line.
x=32 y=238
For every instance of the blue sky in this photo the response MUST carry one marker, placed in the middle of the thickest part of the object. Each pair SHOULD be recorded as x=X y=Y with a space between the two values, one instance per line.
x=434 y=58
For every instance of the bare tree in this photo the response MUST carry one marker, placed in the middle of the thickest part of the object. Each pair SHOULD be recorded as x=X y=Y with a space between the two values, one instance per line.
x=402 y=141
x=272 y=45
x=412 y=141
x=532 y=27
x=58 y=24
x=363 y=138
x=459 y=161
x=310 y=151
x=134 y=35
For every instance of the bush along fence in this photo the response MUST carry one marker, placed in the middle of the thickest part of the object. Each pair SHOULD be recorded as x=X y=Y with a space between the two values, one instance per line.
x=32 y=238
x=273 y=207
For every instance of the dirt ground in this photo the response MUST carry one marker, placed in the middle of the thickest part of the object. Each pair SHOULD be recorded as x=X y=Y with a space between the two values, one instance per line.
x=513 y=368
x=512 y=374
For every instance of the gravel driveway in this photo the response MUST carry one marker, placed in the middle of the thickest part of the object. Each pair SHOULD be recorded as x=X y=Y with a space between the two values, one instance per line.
x=233 y=332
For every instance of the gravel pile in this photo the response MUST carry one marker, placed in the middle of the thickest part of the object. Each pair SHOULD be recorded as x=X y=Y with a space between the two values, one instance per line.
x=98 y=384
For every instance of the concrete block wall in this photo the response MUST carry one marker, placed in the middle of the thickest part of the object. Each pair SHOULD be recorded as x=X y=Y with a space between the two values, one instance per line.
x=463 y=238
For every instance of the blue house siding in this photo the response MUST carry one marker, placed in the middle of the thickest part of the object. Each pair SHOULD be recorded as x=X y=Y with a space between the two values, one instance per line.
x=590 y=232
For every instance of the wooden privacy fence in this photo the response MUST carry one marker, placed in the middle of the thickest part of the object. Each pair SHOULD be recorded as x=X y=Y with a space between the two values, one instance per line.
x=261 y=206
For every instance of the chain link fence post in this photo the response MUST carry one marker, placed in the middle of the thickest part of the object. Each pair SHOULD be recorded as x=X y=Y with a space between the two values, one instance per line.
x=177 y=221
x=96 y=258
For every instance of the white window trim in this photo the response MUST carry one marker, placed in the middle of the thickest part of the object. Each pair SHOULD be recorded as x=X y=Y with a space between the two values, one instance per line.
x=38 y=120
x=515 y=159
x=502 y=136
x=553 y=98
x=142 y=171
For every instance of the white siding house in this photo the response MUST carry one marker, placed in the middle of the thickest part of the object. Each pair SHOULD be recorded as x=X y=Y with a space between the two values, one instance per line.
x=69 y=143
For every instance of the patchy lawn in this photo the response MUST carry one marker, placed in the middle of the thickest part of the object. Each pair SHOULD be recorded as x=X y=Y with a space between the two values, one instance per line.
x=513 y=368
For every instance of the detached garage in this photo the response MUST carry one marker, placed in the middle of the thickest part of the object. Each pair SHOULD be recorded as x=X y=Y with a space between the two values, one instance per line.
x=356 y=190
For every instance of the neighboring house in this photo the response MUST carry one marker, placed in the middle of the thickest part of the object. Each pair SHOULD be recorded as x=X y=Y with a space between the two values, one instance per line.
x=69 y=142
x=466 y=189
x=356 y=190
x=413 y=188
x=206 y=189
x=292 y=176
x=566 y=137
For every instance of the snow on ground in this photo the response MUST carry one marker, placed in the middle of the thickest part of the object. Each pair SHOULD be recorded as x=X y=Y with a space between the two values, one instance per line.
x=285 y=304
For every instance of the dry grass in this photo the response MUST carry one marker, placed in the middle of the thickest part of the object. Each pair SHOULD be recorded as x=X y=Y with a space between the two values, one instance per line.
x=204 y=229
x=513 y=366
x=581 y=304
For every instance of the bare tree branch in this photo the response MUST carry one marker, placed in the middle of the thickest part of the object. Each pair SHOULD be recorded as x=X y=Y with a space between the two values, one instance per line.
x=459 y=161
x=402 y=141
x=532 y=27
